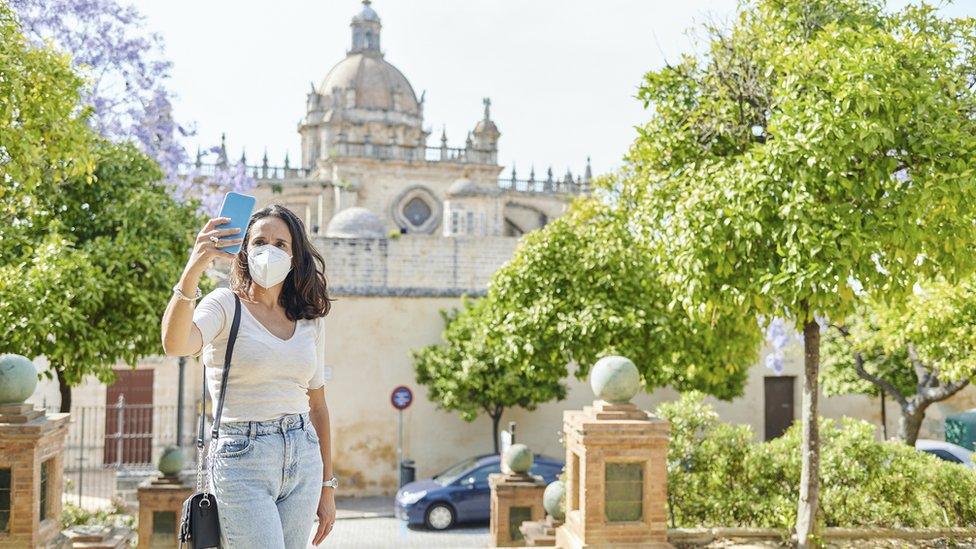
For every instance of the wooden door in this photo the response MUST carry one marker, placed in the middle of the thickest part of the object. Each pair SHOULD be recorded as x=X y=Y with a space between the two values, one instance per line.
x=779 y=410
x=134 y=438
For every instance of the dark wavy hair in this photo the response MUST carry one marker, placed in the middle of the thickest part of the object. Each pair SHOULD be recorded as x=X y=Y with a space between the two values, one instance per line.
x=305 y=292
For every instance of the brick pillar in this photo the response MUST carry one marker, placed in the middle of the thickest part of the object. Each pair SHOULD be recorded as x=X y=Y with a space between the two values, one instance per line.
x=161 y=498
x=31 y=448
x=515 y=498
x=616 y=469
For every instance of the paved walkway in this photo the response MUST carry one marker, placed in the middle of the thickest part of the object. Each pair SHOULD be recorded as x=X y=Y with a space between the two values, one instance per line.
x=368 y=523
x=371 y=507
x=384 y=532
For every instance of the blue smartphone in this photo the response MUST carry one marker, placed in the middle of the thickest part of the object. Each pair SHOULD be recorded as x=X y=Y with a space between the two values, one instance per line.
x=238 y=207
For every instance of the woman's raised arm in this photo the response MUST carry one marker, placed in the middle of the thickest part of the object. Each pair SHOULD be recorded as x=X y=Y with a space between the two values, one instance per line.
x=180 y=336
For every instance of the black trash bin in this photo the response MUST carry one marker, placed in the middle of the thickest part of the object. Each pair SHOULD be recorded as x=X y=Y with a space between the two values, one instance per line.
x=408 y=471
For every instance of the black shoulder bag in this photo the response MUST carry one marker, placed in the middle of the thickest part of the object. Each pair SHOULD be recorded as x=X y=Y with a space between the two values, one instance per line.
x=199 y=527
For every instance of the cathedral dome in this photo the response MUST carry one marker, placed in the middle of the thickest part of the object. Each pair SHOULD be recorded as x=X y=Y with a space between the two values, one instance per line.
x=355 y=222
x=466 y=187
x=377 y=84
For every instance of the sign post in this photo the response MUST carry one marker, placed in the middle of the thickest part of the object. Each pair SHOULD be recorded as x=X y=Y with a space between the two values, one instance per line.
x=401 y=398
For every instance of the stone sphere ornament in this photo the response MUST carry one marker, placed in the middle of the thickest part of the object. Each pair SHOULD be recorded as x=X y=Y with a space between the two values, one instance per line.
x=615 y=379
x=171 y=461
x=518 y=458
x=554 y=500
x=18 y=378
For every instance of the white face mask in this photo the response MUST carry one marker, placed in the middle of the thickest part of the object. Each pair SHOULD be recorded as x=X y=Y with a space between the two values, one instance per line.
x=268 y=264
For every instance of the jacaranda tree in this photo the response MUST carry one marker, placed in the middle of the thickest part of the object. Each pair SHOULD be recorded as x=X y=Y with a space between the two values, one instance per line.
x=127 y=89
x=817 y=148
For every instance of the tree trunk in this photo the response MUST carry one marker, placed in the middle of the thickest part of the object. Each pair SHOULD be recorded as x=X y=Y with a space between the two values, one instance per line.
x=65 y=390
x=807 y=509
x=910 y=423
x=884 y=417
x=496 y=418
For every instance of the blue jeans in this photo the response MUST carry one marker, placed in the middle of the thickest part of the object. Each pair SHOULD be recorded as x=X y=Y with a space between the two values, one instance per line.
x=267 y=478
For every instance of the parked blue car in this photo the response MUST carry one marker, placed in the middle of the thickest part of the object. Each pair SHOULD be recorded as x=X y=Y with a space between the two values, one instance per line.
x=461 y=493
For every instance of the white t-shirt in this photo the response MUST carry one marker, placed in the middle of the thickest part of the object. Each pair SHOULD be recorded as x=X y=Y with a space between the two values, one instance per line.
x=269 y=376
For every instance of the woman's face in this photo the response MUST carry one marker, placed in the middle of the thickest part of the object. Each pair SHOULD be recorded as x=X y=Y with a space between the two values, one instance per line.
x=270 y=230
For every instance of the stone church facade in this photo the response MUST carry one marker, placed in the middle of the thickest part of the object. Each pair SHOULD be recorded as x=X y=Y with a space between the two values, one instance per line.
x=406 y=229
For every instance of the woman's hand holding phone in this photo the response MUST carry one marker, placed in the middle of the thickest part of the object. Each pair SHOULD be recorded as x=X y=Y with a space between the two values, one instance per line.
x=205 y=249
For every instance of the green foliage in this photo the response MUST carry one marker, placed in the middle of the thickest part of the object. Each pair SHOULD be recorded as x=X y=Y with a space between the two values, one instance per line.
x=466 y=376
x=817 y=147
x=717 y=476
x=582 y=287
x=587 y=285
x=860 y=162
x=94 y=265
x=937 y=321
x=115 y=515
x=44 y=132
x=839 y=376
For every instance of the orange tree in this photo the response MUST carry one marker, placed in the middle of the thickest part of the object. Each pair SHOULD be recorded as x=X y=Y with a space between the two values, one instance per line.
x=817 y=149
x=585 y=286
x=99 y=258
x=43 y=132
x=917 y=351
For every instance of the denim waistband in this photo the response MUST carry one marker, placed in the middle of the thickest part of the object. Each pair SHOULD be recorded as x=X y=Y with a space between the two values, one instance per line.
x=281 y=424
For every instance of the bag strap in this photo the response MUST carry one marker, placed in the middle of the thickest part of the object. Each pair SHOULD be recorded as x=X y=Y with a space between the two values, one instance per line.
x=227 y=361
x=223 y=379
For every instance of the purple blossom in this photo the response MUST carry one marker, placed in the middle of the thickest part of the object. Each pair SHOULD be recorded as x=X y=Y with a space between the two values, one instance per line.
x=127 y=86
x=779 y=333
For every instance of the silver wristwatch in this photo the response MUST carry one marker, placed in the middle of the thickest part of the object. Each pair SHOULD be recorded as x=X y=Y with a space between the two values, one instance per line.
x=331 y=483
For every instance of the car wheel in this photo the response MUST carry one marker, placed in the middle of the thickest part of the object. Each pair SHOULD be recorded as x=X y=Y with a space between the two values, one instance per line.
x=440 y=516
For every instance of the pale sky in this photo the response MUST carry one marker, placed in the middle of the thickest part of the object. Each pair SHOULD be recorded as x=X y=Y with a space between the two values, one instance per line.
x=561 y=74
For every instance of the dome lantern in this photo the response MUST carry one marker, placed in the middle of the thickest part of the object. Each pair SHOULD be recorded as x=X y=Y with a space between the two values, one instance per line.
x=366 y=28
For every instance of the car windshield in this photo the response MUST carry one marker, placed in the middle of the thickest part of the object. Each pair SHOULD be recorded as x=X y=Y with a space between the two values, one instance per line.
x=938 y=452
x=454 y=472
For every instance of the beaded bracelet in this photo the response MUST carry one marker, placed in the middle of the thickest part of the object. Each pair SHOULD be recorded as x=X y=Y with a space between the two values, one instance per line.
x=179 y=293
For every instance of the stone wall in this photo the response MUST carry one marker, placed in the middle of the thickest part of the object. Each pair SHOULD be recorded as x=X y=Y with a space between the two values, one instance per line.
x=413 y=265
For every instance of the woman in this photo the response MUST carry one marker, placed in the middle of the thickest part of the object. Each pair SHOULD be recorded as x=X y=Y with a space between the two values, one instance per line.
x=272 y=463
